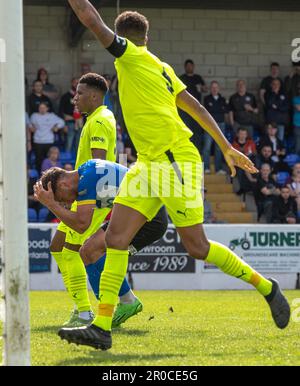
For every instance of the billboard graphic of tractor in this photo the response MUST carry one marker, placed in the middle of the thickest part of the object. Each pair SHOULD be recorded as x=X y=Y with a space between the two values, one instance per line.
x=243 y=242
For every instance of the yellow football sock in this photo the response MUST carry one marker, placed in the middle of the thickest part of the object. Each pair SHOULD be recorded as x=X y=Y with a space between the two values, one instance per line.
x=62 y=265
x=77 y=280
x=233 y=265
x=111 y=280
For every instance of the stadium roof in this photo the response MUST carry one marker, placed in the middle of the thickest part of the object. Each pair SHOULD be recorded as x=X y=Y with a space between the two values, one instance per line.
x=286 y=5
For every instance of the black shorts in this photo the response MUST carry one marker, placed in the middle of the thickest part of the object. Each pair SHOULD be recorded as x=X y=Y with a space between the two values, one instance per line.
x=149 y=233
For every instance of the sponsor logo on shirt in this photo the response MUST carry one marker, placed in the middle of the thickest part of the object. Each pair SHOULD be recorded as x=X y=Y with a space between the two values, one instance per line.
x=98 y=139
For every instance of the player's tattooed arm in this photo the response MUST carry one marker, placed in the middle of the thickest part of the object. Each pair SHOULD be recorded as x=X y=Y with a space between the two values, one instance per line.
x=91 y=19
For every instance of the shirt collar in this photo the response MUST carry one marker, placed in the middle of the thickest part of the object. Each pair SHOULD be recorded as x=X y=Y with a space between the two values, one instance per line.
x=100 y=108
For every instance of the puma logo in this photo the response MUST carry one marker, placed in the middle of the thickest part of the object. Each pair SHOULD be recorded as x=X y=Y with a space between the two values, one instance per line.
x=183 y=213
x=243 y=274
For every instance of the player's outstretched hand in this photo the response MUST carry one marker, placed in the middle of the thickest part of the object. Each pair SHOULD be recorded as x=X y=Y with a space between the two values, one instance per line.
x=235 y=158
x=45 y=197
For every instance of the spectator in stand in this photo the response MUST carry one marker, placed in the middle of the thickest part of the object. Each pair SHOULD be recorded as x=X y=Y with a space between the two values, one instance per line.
x=37 y=97
x=265 y=86
x=28 y=133
x=120 y=146
x=294 y=184
x=68 y=167
x=72 y=117
x=48 y=88
x=296 y=120
x=243 y=109
x=130 y=150
x=264 y=156
x=292 y=81
x=271 y=139
x=85 y=68
x=109 y=98
x=265 y=193
x=284 y=208
x=217 y=107
x=44 y=125
x=194 y=82
x=32 y=202
x=295 y=171
x=52 y=160
x=245 y=145
x=195 y=86
x=277 y=107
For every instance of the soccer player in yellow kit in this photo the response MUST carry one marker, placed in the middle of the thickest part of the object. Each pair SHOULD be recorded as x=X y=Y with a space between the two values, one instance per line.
x=98 y=140
x=150 y=93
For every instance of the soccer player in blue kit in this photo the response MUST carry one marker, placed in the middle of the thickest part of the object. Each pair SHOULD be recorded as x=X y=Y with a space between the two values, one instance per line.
x=94 y=184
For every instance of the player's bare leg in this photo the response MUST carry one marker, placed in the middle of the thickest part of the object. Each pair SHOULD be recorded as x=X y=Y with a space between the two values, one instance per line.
x=93 y=255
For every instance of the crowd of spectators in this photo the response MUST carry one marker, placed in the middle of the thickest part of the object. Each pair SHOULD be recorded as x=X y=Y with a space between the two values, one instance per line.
x=266 y=129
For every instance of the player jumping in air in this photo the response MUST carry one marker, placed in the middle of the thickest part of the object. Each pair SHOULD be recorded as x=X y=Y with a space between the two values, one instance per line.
x=150 y=94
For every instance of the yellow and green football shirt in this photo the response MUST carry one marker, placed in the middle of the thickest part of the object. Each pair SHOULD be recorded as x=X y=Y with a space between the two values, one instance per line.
x=148 y=90
x=99 y=132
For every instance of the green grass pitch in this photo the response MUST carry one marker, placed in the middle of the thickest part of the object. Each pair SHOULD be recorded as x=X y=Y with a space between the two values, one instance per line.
x=205 y=328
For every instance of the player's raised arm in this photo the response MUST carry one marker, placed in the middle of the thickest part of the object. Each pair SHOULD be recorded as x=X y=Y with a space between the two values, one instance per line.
x=91 y=19
x=186 y=102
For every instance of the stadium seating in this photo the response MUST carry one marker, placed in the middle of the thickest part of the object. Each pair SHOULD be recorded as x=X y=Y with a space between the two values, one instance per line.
x=226 y=205
x=66 y=156
x=32 y=215
x=292 y=159
x=33 y=173
x=282 y=178
x=289 y=144
x=43 y=214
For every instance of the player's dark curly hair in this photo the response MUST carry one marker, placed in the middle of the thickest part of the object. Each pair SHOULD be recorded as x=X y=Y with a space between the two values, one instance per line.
x=95 y=81
x=133 y=26
x=52 y=175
